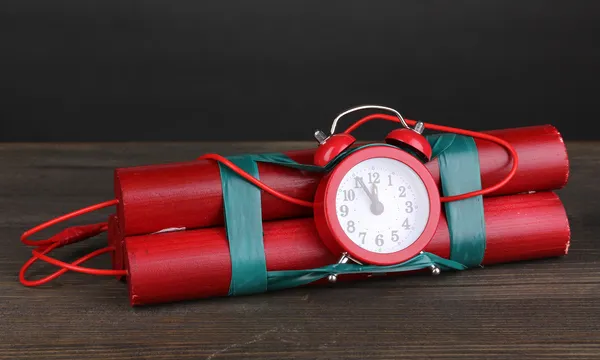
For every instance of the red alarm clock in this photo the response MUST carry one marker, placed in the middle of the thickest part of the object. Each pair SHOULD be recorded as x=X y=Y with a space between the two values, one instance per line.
x=379 y=205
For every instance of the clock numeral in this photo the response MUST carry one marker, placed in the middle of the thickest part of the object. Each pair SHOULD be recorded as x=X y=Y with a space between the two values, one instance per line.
x=379 y=240
x=350 y=226
x=362 y=235
x=374 y=178
x=349 y=195
x=409 y=207
x=344 y=210
x=405 y=224
x=390 y=180
x=402 y=190
x=395 y=236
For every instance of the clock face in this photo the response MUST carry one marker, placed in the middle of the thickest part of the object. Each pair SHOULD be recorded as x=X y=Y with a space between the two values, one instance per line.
x=382 y=205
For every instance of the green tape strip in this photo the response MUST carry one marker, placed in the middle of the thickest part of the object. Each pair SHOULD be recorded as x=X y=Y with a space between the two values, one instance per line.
x=439 y=143
x=292 y=278
x=243 y=223
x=460 y=173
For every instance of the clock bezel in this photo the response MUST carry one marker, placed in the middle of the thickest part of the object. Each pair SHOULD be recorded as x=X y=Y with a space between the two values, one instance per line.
x=331 y=230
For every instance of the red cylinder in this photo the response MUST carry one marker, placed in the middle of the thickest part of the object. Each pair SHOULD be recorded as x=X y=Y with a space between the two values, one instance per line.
x=196 y=264
x=152 y=198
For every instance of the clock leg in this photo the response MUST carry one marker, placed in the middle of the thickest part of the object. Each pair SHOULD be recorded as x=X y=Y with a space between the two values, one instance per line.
x=344 y=259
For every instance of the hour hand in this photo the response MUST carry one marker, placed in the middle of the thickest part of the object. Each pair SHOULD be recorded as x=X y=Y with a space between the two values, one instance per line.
x=375 y=192
x=376 y=205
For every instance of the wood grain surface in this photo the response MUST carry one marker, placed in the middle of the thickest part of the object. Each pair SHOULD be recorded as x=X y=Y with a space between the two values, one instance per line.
x=547 y=309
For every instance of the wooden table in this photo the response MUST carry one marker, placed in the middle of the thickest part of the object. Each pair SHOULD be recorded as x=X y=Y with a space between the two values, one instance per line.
x=548 y=309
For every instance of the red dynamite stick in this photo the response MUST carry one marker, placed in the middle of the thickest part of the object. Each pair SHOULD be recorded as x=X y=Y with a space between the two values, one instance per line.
x=196 y=264
x=188 y=194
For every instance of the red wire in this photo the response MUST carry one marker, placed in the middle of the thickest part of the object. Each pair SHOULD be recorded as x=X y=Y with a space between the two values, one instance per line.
x=60 y=219
x=64 y=269
x=61 y=239
x=255 y=181
x=448 y=129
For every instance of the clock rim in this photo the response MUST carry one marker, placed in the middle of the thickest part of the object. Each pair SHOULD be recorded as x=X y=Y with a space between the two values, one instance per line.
x=331 y=230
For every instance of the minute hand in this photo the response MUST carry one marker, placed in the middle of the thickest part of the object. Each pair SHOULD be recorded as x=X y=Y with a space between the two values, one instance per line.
x=372 y=197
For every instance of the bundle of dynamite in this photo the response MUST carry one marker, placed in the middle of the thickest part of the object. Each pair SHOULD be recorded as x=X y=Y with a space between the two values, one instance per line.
x=170 y=238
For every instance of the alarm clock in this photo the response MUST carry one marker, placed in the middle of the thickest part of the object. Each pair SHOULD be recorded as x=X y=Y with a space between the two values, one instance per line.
x=378 y=204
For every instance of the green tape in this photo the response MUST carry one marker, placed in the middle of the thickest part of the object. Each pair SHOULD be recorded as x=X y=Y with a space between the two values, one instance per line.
x=243 y=223
x=439 y=143
x=460 y=173
x=291 y=278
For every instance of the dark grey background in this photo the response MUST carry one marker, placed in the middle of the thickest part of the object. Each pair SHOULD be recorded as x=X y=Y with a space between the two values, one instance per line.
x=274 y=70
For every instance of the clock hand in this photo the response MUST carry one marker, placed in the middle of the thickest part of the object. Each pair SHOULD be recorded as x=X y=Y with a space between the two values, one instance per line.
x=375 y=192
x=376 y=205
x=364 y=187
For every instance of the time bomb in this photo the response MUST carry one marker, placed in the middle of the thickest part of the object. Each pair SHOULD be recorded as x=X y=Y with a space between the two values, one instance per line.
x=342 y=211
